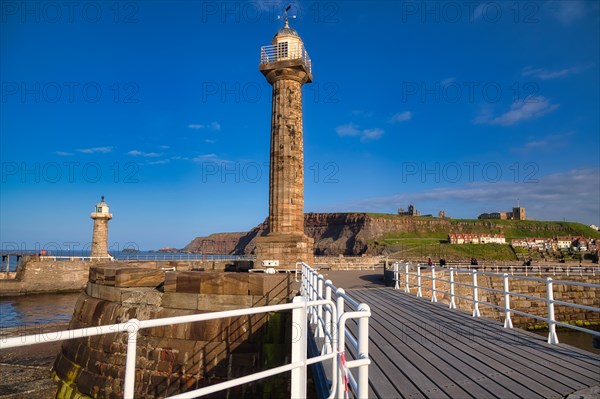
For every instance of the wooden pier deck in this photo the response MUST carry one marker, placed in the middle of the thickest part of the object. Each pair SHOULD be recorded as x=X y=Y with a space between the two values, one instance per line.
x=421 y=349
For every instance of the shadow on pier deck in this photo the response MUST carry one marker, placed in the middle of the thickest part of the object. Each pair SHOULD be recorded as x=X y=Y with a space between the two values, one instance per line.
x=421 y=349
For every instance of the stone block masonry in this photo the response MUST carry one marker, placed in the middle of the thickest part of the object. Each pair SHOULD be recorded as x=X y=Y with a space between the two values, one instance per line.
x=37 y=277
x=177 y=358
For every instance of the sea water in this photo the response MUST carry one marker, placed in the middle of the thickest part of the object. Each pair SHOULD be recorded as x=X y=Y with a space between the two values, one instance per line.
x=36 y=309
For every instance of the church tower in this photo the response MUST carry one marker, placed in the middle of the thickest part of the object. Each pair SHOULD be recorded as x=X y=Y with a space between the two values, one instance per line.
x=101 y=216
x=286 y=66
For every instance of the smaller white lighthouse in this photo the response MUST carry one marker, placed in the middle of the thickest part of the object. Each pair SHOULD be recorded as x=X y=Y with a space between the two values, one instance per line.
x=101 y=216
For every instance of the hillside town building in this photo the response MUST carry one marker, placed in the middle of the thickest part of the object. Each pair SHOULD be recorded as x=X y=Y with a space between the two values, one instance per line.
x=518 y=213
x=556 y=243
x=454 y=238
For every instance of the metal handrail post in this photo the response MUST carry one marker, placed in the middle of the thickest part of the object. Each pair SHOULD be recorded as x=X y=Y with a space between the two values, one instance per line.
x=341 y=374
x=339 y=303
x=507 y=318
x=452 y=304
x=328 y=319
x=475 y=295
x=433 y=293
x=395 y=275
x=313 y=297
x=406 y=283
x=419 y=293
x=363 y=352
x=129 y=383
x=319 y=333
x=552 y=337
x=299 y=347
x=303 y=279
x=341 y=330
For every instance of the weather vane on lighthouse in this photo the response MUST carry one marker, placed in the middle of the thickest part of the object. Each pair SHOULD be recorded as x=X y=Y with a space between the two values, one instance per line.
x=286 y=16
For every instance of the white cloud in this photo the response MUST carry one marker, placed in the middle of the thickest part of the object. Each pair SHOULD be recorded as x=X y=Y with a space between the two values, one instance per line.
x=206 y=156
x=95 y=150
x=63 y=153
x=546 y=143
x=210 y=141
x=159 y=162
x=211 y=126
x=351 y=129
x=137 y=153
x=401 y=117
x=547 y=74
x=214 y=158
x=531 y=107
x=371 y=134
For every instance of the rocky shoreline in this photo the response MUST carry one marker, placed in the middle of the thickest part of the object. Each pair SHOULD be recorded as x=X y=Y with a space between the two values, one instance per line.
x=26 y=372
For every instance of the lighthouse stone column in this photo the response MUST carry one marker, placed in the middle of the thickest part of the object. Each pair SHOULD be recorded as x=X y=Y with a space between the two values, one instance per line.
x=286 y=66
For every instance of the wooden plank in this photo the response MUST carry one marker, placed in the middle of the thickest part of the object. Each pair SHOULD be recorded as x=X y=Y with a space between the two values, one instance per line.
x=469 y=368
x=518 y=361
x=552 y=365
x=500 y=356
x=448 y=375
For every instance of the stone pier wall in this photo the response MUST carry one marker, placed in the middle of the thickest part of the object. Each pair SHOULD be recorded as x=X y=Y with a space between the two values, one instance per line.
x=36 y=276
x=567 y=293
x=177 y=358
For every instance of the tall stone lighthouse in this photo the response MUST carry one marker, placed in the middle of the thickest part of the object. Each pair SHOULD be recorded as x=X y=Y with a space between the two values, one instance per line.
x=101 y=216
x=286 y=66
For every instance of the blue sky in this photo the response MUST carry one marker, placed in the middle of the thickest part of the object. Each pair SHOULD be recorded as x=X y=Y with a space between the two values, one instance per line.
x=463 y=106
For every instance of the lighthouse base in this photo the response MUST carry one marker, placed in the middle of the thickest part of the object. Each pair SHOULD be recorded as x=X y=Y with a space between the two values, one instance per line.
x=286 y=249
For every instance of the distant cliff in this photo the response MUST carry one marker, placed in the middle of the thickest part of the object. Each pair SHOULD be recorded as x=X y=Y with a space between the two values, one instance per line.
x=218 y=243
x=356 y=233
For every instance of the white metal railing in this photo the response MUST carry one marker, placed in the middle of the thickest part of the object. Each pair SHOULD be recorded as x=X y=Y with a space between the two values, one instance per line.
x=315 y=288
x=278 y=52
x=298 y=364
x=437 y=275
x=156 y=257
x=73 y=258
x=180 y=256
x=540 y=269
x=320 y=308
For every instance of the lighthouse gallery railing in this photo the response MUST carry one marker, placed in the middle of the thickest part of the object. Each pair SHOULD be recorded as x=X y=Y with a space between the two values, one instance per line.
x=292 y=51
x=309 y=307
